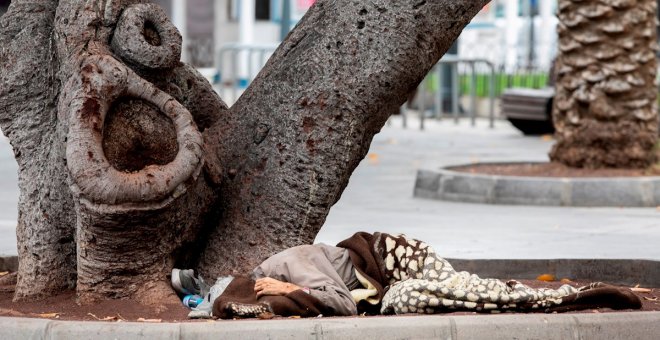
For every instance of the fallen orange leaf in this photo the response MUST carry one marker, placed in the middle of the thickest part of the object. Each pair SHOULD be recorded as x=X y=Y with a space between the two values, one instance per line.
x=546 y=277
x=49 y=315
x=149 y=320
x=565 y=280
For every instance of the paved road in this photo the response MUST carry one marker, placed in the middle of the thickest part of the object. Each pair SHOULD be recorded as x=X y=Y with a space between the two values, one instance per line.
x=379 y=198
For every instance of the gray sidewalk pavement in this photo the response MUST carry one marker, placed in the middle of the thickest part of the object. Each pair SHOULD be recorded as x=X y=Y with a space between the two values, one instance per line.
x=8 y=198
x=379 y=198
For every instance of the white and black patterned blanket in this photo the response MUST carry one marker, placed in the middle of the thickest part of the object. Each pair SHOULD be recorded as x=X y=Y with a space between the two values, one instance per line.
x=412 y=278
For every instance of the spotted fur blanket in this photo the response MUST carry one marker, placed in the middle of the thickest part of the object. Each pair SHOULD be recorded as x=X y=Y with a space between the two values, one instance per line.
x=411 y=278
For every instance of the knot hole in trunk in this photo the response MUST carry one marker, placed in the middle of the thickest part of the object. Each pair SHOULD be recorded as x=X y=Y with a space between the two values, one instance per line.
x=136 y=134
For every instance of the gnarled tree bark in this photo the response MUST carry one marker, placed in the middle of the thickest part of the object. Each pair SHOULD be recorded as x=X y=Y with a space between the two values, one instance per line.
x=130 y=163
x=305 y=123
x=605 y=108
x=29 y=92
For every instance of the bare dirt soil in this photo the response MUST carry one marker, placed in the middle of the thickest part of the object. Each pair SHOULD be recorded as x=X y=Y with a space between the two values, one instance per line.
x=553 y=170
x=64 y=306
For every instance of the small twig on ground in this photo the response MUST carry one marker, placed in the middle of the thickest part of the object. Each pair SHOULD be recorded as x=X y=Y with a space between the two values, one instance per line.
x=107 y=318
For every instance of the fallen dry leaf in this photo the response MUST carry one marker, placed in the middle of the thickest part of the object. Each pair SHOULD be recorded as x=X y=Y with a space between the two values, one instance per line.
x=655 y=298
x=565 y=280
x=266 y=316
x=49 y=315
x=636 y=289
x=107 y=318
x=546 y=277
x=10 y=312
x=149 y=320
x=294 y=317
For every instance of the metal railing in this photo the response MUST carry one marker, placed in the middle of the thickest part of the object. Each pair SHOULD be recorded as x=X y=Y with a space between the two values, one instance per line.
x=228 y=75
x=438 y=94
x=229 y=79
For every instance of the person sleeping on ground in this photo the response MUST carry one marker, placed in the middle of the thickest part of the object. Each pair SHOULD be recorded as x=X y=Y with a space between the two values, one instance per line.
x=380 y=273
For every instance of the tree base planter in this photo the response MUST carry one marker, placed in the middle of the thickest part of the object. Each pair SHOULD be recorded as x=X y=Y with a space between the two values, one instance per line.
x=619 y=272
x=447 y=184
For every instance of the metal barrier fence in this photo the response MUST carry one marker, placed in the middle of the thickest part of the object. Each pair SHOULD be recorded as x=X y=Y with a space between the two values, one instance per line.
x=438 y=94
x=229 y=81
x=227 y=63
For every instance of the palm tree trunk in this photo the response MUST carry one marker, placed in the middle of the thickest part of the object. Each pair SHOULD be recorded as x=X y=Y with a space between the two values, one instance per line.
x=605 y=108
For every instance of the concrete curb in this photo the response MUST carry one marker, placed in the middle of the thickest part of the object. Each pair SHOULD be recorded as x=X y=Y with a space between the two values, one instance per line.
x=614 y=271
x=8 y=263
x=633 y=325
x=445 y=184
x=619 y=272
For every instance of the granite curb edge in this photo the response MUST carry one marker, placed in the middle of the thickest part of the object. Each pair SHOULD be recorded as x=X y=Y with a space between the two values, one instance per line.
x=446 y=184
x=644 y=272
x=617 y=325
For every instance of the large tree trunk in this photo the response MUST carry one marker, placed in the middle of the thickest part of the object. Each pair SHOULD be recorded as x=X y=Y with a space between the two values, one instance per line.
x=291 y=142
x=130 y=163
x=29 y=90
x=605 y=109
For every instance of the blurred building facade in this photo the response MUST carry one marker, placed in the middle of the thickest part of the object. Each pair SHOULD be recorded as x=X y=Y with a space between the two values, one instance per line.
x=512 y=34
x=209 y=24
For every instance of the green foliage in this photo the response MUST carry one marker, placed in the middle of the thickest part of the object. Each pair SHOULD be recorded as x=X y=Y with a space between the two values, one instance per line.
x=503 y=81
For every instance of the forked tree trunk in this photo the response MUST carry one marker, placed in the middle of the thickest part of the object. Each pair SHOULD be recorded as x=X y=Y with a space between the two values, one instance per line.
x=605 y=109
x=129 y=162
x=291 y=142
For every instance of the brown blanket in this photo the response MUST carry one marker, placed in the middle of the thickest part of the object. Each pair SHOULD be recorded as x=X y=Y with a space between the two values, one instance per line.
x=368 y=261
x=240 y=301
